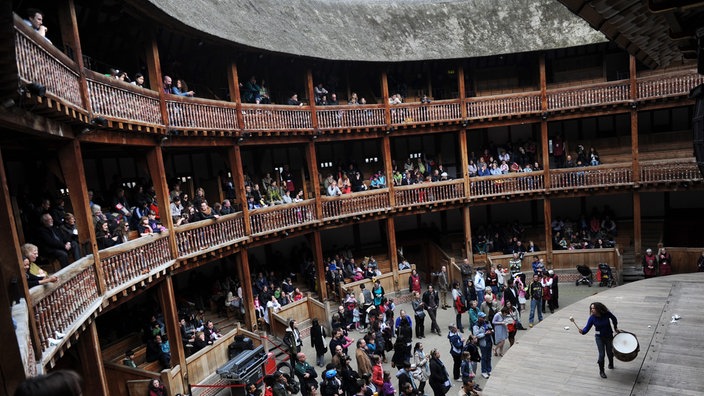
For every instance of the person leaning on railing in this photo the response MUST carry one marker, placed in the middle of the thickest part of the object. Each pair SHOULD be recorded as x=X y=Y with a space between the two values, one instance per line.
x=35 y=275
x=35 y=20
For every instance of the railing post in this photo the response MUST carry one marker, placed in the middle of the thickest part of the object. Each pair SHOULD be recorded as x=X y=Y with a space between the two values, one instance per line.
x=155 y=163
x=233 y=82
x=386 y=152
x=314 y=179
x=71 y=162
x=11 y=267
x=70 y=37
x=234 y=158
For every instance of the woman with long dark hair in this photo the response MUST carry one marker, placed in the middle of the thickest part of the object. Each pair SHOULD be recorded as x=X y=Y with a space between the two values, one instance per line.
x=317 y=340
x=599 y=318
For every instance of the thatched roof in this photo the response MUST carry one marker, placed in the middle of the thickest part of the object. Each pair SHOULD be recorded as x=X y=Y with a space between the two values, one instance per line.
x=387 y=30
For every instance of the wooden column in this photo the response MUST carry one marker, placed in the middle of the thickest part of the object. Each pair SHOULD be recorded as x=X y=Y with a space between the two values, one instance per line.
x=388 y=169
x=637 y=226
x=71 y=38
x=234 y=158
x=547 y=213
x=464 y=160
x=95 y=381
x=469 y=253
x=312 y=159
x=11 y=267
x=167 y=297
x=250 y=317
x=311 y=98
x=634 y=121
x=155 y=163
x=155 y=76
x=233 y=83
x=544 y=124
x=316 y=246
x=462 y=92
x=385 y=98
x=393 y=250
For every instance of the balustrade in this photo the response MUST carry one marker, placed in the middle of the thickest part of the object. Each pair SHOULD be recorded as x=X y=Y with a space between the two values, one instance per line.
x=591 y=176
x=194 y=237
x=60 y=305
x=355 y=204
x=201 y=114
x=411 y=113
x=594 y=95
x=505 y=185
x=429 y=193
x=123 y=101
x=669 y=171
x=39 y=62
x=360 y=116
x=281 y=217
x=268 y=117
x=124 y=263
x=671 y=84
x=504 y=105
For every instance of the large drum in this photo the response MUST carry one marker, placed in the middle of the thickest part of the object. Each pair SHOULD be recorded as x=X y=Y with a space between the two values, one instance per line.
x=626 y=346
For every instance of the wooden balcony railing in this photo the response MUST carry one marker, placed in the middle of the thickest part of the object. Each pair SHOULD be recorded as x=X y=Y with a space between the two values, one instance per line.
x=669 y=171
x=123 y=101
x=123 y=264
x=505 y=185
x=195 y=237
x=40 y=62
x=63 y=305
x=610 y=175
x=201 y=114
x=671 y=84
x=414 y=113
x=281 y=217
x=271 y=117
x=520 y=104
x=429 y=193
x=594 y=95
x=343 y=117
x=355 y=204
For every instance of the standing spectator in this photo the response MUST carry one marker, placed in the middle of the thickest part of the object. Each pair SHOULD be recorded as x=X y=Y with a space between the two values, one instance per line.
x=419 y=311
x=458 y=300
x=431 y=301
x=665 y=262
x=479 y=283
x=439 y=378
x=305 y=372
x=422 y=371
x=317 y=340
x=650 y=264
x=500 y=330
x=482 y=330
x=554 y=291
x=535 y=293
x=364 y=362
x=35 y=20
x=443 y=285
x=414 y=282
x=456 y=347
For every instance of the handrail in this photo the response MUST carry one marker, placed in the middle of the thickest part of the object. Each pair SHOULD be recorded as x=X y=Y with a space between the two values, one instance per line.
x=668 y=171
x=670 y=84
x=436 y=111
x=120 y=100
x=270 y=117
x=350 y=116
x=40 y=62
x=355 y=204
x=282 y=217
x=125 y=263
x=505 y=185
x=201 y=114
x=429 y=193
x=594 y=94
x=524 y=103
x=206 y=234
x=591 y=176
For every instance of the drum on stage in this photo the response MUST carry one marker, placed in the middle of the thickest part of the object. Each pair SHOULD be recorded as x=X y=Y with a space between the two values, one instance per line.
x=626 y=346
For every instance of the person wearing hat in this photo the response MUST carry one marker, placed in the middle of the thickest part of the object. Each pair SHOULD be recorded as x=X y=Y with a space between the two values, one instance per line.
x=554 y=290
x=650 y=264
x=482 y=330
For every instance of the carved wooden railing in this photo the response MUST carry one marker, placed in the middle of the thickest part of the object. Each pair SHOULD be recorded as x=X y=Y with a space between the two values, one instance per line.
x=670 y=84
x=63 y=305
x=281 y=217
x=195 y=237
x=429 y=193
x=610 y=175
x=201 y=114
x=520 y=104
x=270 y=117
x=339 y=117
x=413 y=113
x=127 y=262
x=355 y=204
x=665 y=171
x=506 y=185
x=611 y=92
x=119 y=100
x=40 y=62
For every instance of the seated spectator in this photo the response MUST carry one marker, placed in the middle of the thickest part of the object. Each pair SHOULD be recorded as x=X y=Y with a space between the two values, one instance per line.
x=320 y=93
x=594 y=159
x=293 y=100
x=138 y=80
x=286 y=199
x=156 y=227
x=205 y=212
x=251 y=91
x=333 y=190
x=472 y=169
x=200 y=341
x=345 y=184
x=353 y=99
x=143 y=227
x=69 y=233
x=35 y=275
x=166 y=82
x=274 y=194
x=52 y=242
x=211 y=332
x=159 y=350
x=274 y=304
x=181 y=89
x=483 y=170
x=129 y=359
x=35 y=20
x=103 y=236
x=357 y=183
x=226 y=208
x=333 y=100
x=404 y=265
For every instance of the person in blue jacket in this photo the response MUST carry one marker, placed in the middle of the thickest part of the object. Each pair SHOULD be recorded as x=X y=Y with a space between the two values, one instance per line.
x=599 y=318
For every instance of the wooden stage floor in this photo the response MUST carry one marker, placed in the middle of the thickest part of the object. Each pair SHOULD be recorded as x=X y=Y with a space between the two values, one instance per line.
x=550 y=360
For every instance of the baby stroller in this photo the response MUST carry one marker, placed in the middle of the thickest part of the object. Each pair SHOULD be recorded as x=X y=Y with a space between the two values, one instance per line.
x=605 y=276
x=586 y=276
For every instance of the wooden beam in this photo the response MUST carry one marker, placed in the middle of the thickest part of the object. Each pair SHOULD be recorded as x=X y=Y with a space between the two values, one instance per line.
x=547 y=214
x=311 y=98
x=157 y=172
x=120 y=138
x=71 y=161
x=71 y=38
x=391 y=241
x=233 y=82
x=155 y=75
x=234 y=159
x=467 y=225
x=385 y=98
x=388 y=169
x=462 y=92
x=543 y=83
x=316 y=246
x=312 y=159
x=95 y=381
x=245 y=275
x=11 y=267
x=167 y=298
x=464 y=160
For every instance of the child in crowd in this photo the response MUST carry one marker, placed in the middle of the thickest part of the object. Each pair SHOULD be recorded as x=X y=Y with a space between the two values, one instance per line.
x=355 y=316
